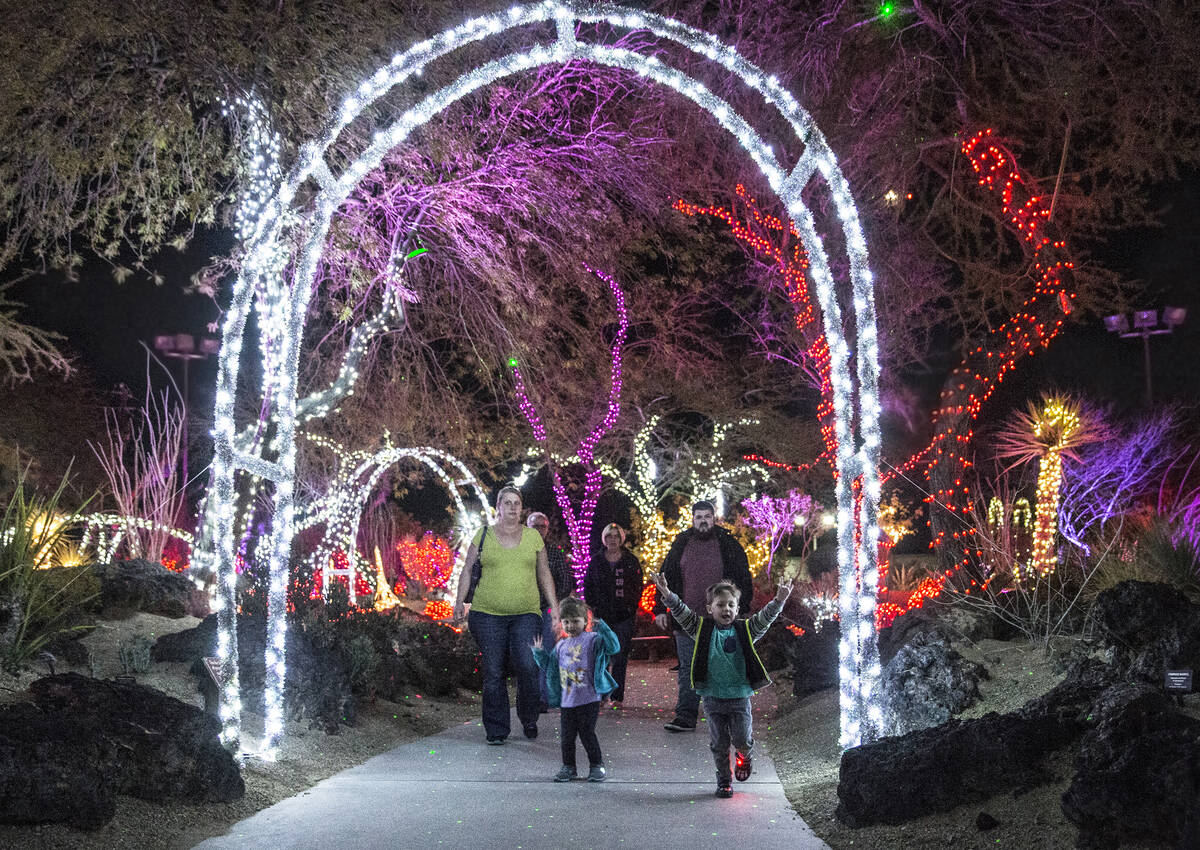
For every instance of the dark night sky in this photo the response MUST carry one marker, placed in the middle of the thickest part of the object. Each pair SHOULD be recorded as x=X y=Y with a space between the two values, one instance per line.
x=105 y=323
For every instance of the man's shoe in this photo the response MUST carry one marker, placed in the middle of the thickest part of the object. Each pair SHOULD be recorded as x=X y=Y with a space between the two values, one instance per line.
x=565 y=774
x=495 y=740
x=680 y=725
x=724 y=791
x=530 y=731
x=597 y=773
x=741 y=770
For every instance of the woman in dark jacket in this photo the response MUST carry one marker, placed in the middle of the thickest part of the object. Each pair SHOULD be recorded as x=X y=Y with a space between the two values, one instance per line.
x=613 y=588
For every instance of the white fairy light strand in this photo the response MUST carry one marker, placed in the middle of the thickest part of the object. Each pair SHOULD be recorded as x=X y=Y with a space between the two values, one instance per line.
x=284 y=308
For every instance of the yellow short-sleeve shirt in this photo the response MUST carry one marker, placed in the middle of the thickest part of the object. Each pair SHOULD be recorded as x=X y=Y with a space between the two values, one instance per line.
x=508 y=584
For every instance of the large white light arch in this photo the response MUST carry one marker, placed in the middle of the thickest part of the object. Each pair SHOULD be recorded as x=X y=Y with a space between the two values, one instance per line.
x=282 y=305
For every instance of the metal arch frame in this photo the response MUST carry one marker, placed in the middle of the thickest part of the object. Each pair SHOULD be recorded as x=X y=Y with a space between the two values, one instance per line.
x=282 y=308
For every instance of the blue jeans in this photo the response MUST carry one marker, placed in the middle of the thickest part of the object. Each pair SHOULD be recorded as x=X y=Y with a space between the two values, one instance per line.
x=687 y=707
x=504 y=642
x=729 y=722
x=620 y=661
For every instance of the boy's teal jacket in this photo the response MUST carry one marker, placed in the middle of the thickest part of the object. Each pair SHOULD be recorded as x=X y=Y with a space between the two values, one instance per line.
x=607 y=646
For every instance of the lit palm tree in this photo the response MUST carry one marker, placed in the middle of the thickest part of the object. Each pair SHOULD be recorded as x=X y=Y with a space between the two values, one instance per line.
x=1048 y=432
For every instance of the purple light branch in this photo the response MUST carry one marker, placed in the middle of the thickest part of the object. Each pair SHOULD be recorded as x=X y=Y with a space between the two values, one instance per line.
x=775 y=519
x=1113 y=477
x=579 y=524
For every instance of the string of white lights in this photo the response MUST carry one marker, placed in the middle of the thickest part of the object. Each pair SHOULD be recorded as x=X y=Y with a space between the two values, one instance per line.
x=282 y=309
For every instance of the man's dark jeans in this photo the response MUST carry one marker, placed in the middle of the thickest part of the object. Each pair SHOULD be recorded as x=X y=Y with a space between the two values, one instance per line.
x=504 y=642
x=687 y=707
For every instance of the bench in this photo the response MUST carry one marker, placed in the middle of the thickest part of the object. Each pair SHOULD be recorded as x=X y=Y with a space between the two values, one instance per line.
x=652 y=647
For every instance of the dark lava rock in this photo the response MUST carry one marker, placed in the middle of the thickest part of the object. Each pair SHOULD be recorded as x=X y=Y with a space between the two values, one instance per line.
x=140 y=585
x=926 y=683
x=1148 y=628
x=985 y=822
x=65 y=756
x=1138 y=772
x=898 y=779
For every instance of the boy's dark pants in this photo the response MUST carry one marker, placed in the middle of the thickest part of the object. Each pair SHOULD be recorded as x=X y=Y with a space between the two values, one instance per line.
x=580 y=720
x=729 y=722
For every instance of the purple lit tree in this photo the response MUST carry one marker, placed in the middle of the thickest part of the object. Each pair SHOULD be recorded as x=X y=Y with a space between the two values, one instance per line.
x=1113 y=478
x=777 y=519
x=579 y=521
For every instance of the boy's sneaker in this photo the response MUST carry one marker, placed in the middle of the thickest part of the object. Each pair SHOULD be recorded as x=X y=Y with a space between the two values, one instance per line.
x=680 y=725
x=741 y=770
x=597 y=773
x=724 y=791
x=565 y=774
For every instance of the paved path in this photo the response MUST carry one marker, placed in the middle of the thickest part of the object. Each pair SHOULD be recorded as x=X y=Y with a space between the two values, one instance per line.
x=452 y=790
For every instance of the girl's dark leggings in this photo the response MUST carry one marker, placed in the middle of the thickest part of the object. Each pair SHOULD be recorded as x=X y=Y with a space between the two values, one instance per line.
x=580 y=720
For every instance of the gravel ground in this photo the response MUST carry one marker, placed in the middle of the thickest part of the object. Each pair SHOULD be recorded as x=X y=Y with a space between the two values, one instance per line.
x=306 y=756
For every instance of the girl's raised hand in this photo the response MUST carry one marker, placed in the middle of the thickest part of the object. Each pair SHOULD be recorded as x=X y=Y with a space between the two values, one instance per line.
x=537 y=642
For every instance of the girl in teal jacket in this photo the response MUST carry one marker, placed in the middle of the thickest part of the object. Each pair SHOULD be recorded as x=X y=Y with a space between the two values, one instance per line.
x=577 y=678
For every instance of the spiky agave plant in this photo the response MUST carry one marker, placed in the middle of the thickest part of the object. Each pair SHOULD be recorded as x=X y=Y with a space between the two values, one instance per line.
x=1048 y=432
x=33 y=603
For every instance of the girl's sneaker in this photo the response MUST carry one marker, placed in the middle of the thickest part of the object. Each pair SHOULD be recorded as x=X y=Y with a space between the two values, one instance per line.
x=565 y=774
x=741 y=770
x=597 y=773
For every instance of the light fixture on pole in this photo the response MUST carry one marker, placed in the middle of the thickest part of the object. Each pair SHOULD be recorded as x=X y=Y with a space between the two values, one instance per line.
x=1146 y=323
x=186 y=348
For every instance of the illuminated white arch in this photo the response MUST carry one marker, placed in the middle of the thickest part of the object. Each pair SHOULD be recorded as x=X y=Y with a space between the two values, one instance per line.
x=281 y=307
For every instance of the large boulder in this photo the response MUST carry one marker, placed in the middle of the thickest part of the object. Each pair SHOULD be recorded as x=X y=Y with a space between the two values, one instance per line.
x=901 y=778
x=926 y=683
x=140 y=585
x=1138 y=772
x=1148 y=628
x=65 y=756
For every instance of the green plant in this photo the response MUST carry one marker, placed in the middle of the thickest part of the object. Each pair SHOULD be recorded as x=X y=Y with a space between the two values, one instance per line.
x=135 y=654
x=1161 y=554
x=36 y=604
x=361 y=662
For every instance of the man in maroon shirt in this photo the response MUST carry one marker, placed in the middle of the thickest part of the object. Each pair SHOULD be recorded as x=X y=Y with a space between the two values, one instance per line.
x=698 y=559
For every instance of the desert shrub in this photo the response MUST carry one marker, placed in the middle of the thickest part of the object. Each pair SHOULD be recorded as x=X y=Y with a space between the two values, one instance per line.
x=1161 y=554
x=393 y=653
x=36 y=605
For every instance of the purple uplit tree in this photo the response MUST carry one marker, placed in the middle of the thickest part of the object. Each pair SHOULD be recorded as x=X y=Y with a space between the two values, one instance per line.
x=1112 y=478
x=776 y=519
x=579 y=522
x=1179 y=498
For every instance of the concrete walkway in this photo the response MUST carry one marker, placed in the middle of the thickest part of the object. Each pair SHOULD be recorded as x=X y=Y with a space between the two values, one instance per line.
x=452 y=790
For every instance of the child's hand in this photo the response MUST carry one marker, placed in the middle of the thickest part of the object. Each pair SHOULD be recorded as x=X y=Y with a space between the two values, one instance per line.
x=537 y=642
x=660 y=582
x=785 y=589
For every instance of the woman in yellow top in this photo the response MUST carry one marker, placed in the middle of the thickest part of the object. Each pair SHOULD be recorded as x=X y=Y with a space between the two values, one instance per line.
x=505 y=614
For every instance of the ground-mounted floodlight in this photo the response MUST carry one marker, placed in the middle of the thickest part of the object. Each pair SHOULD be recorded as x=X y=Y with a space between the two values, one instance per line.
x=1145 y=325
